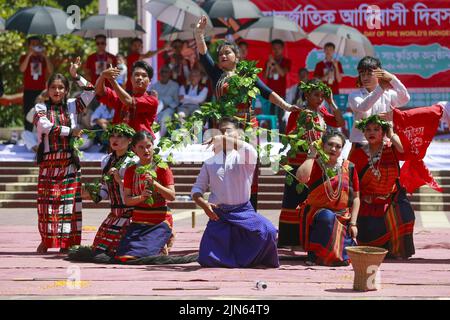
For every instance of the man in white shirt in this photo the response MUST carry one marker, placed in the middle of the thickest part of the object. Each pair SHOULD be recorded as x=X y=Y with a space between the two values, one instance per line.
x=236 y=236
x=193 y=95
x=380 y=92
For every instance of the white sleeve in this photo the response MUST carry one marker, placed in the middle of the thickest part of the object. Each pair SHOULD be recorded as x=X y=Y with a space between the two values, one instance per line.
x=401 y=96
x=104 y=190
x=44 y=126
x=248 y=156
x=361 y=104
x=202 y=182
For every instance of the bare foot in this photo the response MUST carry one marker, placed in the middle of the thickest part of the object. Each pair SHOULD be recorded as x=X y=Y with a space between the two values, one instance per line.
x=41 y=249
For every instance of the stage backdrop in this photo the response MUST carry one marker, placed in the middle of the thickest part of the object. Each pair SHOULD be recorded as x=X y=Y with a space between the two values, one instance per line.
x=412 y=39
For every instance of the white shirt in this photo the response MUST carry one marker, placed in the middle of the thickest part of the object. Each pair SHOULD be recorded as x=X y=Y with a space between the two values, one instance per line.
x=44 y=126
x=192 y=97
x=365 y=104
x=228 y=175
x=102 y=112
x=446 y=114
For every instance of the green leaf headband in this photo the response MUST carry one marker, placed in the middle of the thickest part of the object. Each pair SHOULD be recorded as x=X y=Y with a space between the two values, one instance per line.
x=122 y=129
x=362 y=124
x=311 y=86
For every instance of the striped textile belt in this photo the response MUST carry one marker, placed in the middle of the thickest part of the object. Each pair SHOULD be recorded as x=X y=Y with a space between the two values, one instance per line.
x=375 y=198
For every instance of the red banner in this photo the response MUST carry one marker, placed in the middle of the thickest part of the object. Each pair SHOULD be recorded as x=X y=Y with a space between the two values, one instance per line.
x=411 y=37
x=405 y=23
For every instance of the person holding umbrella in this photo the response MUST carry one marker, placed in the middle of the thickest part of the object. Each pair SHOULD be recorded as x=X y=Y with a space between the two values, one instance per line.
x=98 y=61
x=36 y=67
x=228 y=56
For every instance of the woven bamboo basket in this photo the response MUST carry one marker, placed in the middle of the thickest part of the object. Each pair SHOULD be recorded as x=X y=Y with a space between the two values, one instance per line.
x=366 y=262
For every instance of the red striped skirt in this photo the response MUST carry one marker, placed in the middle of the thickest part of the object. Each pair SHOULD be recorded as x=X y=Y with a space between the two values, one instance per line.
x=59 y=201
x=112 y=230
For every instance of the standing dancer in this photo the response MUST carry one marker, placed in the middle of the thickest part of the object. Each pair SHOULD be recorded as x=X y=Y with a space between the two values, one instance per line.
x=386 y=218
x=150 y=232
x=313 y=95
x=236 y=236
x=114 y=165
x=328 y=216
x=380 y=92
x=228 y=59
x=59 y=188
x=138 y=109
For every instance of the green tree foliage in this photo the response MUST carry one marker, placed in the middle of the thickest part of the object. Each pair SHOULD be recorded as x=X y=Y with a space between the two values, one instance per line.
x=60 y=49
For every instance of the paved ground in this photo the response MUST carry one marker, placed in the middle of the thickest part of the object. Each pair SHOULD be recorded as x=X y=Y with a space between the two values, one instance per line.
x=24 y=274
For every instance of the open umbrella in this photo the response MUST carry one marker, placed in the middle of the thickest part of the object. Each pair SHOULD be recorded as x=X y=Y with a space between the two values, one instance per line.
x=110 y=25
x=179 y=14
x=348 y=40
x=274 y=27
x=39 y=20
x=236 y=9
x=170 y=35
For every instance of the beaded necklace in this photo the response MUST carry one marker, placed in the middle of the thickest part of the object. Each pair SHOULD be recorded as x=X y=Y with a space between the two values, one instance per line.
x=373 y=159
x=331 y=193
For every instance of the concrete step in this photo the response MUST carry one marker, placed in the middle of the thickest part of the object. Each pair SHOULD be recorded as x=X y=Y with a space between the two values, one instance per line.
x=18 y=186
x=430 y=206
x=263 y=204
x=179 y=178
x=89 y=204
x=430 y=197
x=32 y=195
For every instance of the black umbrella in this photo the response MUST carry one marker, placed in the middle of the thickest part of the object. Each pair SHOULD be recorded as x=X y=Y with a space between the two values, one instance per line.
x=110 y=25
x=40 y=20
x=236 y=9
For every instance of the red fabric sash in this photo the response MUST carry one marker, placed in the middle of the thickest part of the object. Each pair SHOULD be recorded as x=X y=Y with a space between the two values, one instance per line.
x=416 y=128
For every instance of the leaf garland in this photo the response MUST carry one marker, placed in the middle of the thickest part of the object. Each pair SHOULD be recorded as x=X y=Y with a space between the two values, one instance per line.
x=309 y=86
x=121 y=129
x=362 y=124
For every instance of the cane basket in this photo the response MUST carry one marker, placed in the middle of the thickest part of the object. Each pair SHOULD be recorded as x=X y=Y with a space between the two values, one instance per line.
x=366 y=261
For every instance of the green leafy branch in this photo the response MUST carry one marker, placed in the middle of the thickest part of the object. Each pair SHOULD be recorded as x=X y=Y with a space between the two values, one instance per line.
x=94 y=190
x=150 y=169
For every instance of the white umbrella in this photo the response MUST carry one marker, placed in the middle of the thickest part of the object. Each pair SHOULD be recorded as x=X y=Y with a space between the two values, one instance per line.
x=348 y=41
x=111 y=26
x=271 y=28
x=189 y=34
x=179 y=14
x=236 y=9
